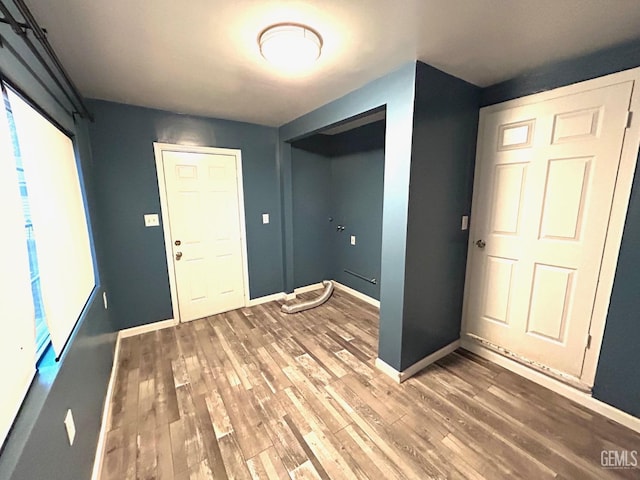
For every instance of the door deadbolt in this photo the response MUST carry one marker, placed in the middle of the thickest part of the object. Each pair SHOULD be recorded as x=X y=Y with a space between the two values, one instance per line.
x=178 y=242
x=481 y=244
x=178 y=255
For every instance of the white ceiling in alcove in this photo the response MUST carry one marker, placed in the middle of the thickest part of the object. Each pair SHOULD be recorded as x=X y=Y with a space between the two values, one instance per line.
x=201 y=56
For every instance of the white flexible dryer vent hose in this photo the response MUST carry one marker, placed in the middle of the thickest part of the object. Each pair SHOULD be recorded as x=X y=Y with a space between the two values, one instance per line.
x=300 y=307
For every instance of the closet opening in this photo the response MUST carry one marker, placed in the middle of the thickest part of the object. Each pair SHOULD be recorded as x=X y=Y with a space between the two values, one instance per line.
x=338 y=180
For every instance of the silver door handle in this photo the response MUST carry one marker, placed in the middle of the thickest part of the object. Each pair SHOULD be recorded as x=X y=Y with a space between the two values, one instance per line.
x=481 y=244
x=178 y=255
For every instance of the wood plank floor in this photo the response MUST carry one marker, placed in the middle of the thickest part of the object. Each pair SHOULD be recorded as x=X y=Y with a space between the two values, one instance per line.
x=257 y=394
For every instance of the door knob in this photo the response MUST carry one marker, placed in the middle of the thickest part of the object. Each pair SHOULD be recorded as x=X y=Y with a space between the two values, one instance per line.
x=178 y=255
x=481 y=244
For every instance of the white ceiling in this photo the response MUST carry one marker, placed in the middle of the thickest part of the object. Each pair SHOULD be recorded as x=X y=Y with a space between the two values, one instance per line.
x=201 y=56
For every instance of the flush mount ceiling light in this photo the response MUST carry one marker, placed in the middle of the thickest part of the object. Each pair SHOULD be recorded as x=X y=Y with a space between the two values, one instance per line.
x=290 y=46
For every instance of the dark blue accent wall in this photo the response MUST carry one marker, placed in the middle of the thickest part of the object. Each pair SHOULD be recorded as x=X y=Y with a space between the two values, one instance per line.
x=312 y=232
x=37 y=446
x=357 y=182
x=136 y=269
x=349 y=190
x=618 y=376
x=443 y=154
x=338 y=180
x=559 y=74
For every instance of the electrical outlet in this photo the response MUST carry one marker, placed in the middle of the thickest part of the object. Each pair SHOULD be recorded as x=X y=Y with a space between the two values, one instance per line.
x=353 y=239
x=465 y=222
x=265 y=218
x=151 y=220
x=104 y=300
x=70 y=426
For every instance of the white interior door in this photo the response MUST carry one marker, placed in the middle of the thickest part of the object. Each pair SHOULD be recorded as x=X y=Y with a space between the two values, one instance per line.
x=544 y=186
x=206 y=225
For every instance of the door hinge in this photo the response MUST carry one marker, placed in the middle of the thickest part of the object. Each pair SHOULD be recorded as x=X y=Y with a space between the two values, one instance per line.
x=589 y=341
x=629 y=119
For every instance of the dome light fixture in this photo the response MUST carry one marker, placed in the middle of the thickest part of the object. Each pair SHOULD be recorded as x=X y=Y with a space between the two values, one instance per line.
x=290 y=46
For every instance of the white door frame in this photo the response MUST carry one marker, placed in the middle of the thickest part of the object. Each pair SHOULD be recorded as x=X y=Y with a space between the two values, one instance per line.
x=621 y=196
x=158 y=149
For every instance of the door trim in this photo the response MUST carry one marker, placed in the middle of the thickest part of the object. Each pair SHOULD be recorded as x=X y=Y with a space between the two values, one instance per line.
x=158 y=149
x=621 y=196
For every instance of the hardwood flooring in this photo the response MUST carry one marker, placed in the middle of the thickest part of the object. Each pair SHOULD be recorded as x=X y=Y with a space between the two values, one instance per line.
x=257 y=394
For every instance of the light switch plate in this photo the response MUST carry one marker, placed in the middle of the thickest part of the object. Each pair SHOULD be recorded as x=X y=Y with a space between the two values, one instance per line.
x=353 y=239
x=70 y=426
x=151 y=220
x=265 y=218
x=465 y=222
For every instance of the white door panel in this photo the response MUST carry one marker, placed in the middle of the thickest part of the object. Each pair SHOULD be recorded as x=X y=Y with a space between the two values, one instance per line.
x=544 y=189
x=206 y=232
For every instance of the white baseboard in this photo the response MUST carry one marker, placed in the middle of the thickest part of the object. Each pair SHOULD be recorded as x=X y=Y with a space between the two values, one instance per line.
x=357 y=294
x=106 y=415
x=149 y=327
x=269 y=298
x=308 y=288
x=409 y=372
x=572 y=393
x=388 y=370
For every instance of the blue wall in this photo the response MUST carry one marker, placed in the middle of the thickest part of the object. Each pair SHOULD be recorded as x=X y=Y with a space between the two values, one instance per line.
x=618 y=376
x=312 y=232
x=357 y=183
x=340 y=177
x=37 y=446
x=348 y=189
x=135 y=273
x=443 y=155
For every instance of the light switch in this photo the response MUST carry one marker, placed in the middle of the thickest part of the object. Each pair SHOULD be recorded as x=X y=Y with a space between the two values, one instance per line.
x=151 y=220
x=353 y=239
x=465 y=222
x=265 y=218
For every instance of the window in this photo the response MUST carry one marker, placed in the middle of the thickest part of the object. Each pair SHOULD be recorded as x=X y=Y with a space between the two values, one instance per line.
x=47 y=274
x=42 y=331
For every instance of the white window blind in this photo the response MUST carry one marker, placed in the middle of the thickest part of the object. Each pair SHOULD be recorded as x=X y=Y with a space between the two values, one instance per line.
x=59 y=220
x=17 y=328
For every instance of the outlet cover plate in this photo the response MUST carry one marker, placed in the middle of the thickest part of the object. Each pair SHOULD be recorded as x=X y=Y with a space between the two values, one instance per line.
x=70 y=426
x=151 y=220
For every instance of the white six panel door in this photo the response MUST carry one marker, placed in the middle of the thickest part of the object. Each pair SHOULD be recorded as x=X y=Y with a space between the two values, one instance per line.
x=544 y=187
x=204 y=216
